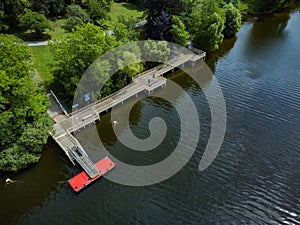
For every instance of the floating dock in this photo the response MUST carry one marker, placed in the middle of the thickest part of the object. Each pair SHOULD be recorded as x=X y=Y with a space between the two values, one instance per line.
x=82 y=179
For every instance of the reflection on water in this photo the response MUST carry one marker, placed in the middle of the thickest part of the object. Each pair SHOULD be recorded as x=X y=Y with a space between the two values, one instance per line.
x=255 y=178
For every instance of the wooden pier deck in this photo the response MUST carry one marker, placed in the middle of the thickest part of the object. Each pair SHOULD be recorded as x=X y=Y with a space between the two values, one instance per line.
x=66 y=124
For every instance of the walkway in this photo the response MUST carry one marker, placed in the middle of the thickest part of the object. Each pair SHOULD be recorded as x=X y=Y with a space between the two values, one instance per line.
x=66 y=124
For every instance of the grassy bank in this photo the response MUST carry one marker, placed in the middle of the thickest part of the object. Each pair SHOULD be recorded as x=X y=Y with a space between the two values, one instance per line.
x=128 y=10
x=58 y=31
x=42 y=57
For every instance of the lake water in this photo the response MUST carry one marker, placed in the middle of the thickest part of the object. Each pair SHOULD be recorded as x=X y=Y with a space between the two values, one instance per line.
x=255 y=178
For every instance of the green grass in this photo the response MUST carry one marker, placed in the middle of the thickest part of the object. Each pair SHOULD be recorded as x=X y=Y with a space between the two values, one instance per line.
x=42 y=57
x=128 y=10
x=58 y=31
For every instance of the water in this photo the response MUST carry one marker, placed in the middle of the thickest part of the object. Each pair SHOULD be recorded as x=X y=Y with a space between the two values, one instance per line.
x=255 y=178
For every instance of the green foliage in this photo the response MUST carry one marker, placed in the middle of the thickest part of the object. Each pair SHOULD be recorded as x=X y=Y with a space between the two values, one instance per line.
x=48 y=7
x=235 y=3
x=179 y=34
x=16 y=157
x=76 y=11
x=76 y=17
x=121 y=32
x=128 y=57
x=129 y=64
x=233 y=20
x=33 y=21
x=98 y=9
x=13 y=9
x=75 y=53
x=24 y=122
x=104 y=4
x=208 y=26
x=124 y=29
x=73 y=22
x=157 y=52
x=78 y=54
x=3 y=26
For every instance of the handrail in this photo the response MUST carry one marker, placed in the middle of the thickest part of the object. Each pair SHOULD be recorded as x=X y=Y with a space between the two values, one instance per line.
x=198 y=51
x=60 y=105
x=145 y=73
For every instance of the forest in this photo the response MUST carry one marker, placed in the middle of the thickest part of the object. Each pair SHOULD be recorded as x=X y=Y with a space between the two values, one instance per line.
x=88 y=29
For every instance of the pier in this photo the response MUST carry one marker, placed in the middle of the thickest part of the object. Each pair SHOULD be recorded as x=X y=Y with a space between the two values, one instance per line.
x=68 y=123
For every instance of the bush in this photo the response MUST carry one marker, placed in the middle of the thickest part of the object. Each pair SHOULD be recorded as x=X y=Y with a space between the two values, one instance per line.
x=77 y=11
x=34 y=22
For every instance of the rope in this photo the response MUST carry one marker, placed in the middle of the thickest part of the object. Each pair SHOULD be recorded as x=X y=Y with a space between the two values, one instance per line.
x=9 y=181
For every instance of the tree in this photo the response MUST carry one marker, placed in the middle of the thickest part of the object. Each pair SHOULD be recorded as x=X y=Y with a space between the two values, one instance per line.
x=235 y=3
x=36 y=22
x=76 y=17
x=48 y=7
x=233 y=20
x=157 y=51
x=3 y=26
x=98 y=9
x=78 y=54
x=128 y=62
x=121 y=32
x=124 y=30
x=13 y=9
x=158 y=19
x=179 y=34
x=105 y=4
x=76 y=11
x=208 y=26
x=74 y=54
x=24 y=122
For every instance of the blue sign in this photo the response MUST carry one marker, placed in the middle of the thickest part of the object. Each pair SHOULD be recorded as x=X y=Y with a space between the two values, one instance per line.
x=74 y=106
x=87 y=97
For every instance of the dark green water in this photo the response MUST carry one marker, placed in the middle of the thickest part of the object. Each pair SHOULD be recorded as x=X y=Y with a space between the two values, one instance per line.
x=255 y=178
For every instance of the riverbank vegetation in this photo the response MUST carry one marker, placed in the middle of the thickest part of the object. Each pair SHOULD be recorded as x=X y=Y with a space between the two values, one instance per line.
x=24 y=120
x=81 y=31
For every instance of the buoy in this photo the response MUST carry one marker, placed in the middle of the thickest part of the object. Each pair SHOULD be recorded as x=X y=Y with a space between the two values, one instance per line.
x=115 y=123
x=8 y=181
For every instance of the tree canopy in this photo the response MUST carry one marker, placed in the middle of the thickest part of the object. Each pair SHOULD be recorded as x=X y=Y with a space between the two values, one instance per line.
x=24 y=122
x=179 y=34
x=232 y=21
x=36 y=22
x=159 y=19
x=208 y=26
x=75 y=53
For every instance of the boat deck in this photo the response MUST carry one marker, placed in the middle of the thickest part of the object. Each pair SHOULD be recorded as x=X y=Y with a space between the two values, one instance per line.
x=82 y=179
